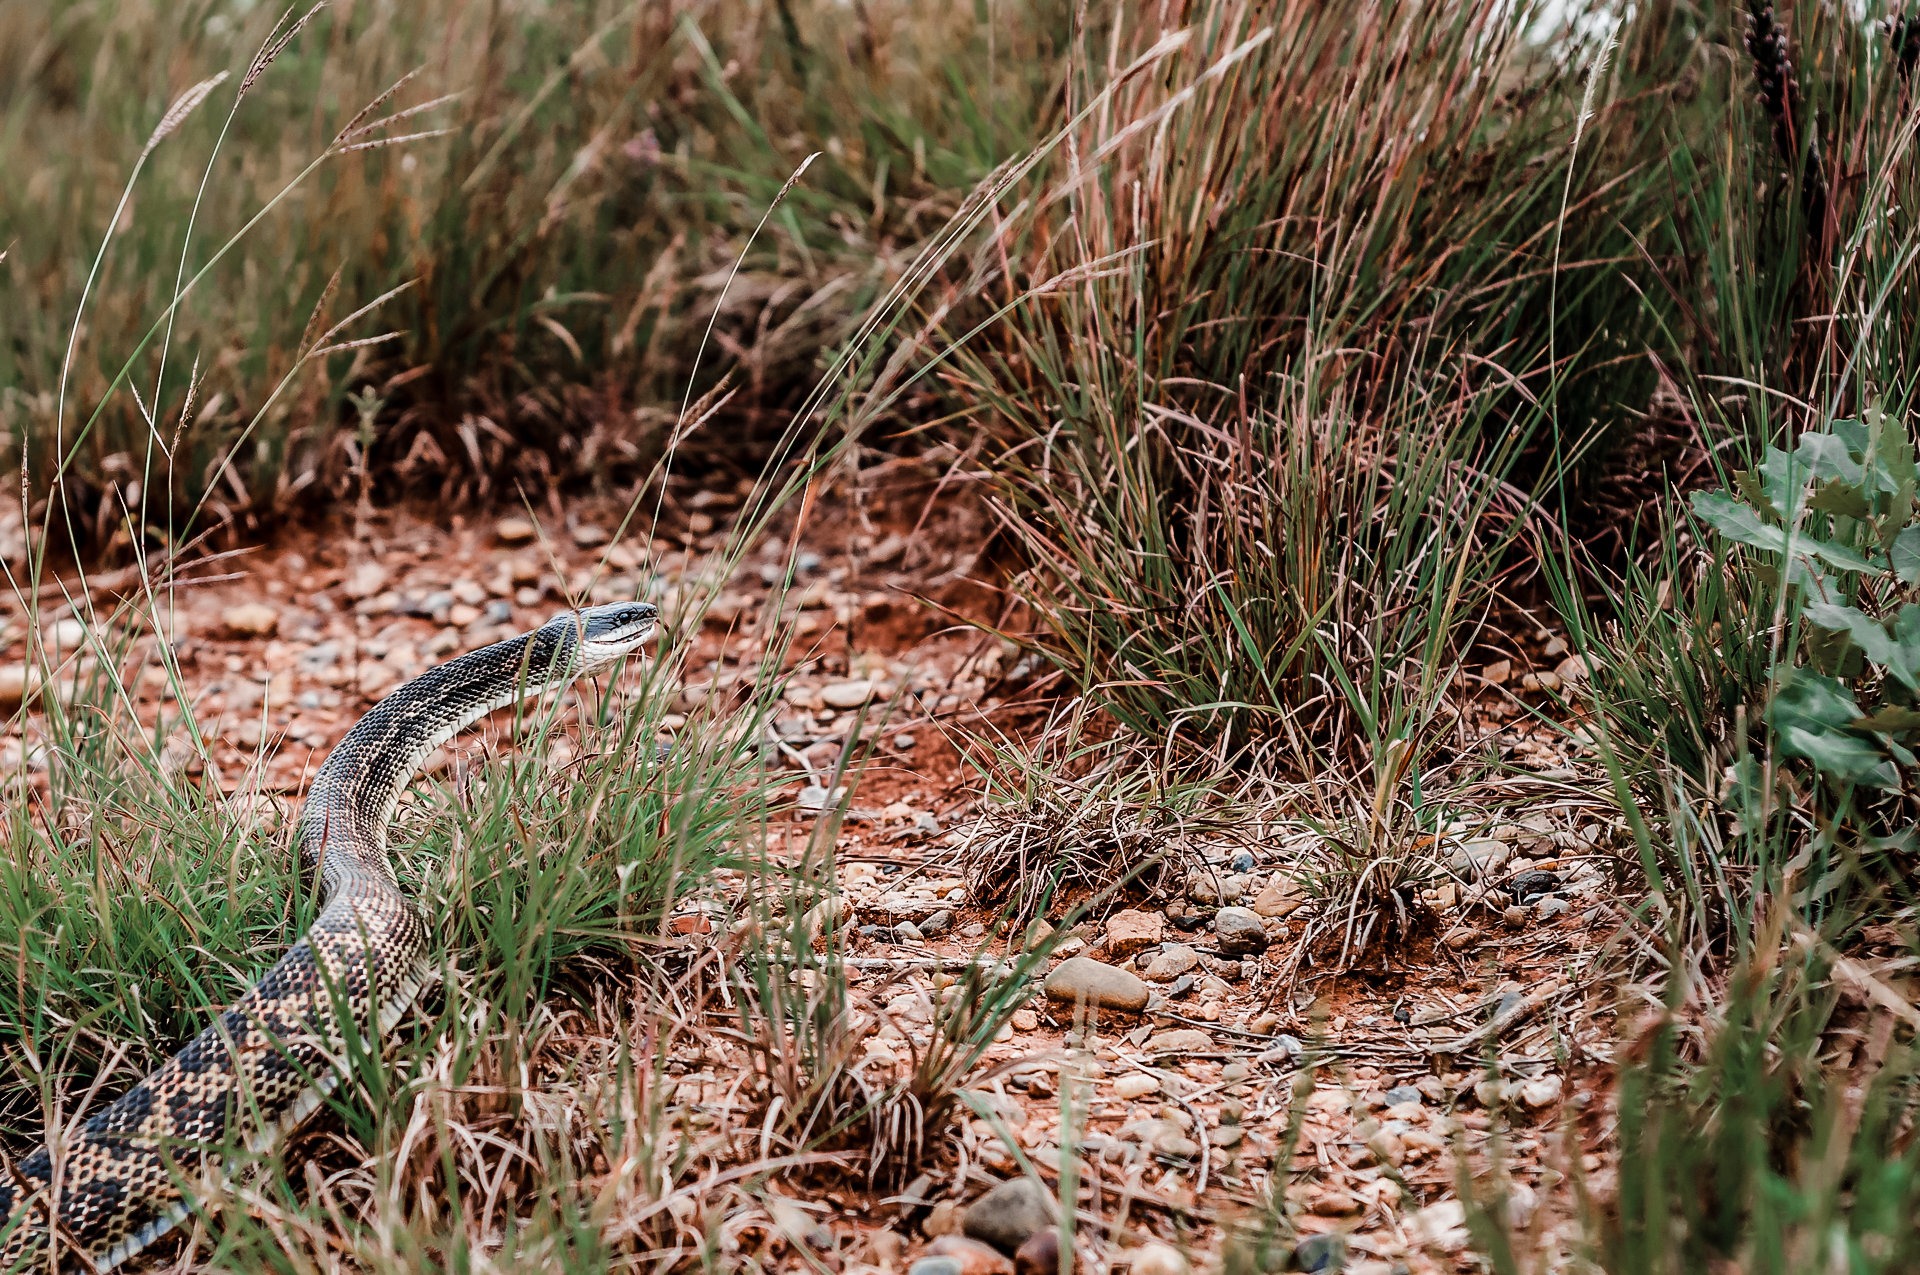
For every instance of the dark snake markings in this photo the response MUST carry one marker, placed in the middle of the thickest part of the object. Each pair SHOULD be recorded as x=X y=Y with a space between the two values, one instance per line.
x=266 y=1063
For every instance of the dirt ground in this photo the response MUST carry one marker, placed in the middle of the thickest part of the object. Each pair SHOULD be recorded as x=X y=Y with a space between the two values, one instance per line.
x=1486 y=1031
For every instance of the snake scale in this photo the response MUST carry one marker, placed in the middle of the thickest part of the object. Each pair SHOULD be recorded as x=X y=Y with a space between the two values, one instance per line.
x=264 y=1065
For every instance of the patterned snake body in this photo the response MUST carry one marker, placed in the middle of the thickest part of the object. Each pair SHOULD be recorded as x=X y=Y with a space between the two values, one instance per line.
x=266 y=1063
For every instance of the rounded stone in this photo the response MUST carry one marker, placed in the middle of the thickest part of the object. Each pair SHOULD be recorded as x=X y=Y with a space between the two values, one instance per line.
x=1321 y=1253
x=1040 y=1255
x=1081 y=978
x=847 y=694
x=1007 y=1216
x=1240 y=931
x=250 y=620
x=1155 y=1258
x=514 y=531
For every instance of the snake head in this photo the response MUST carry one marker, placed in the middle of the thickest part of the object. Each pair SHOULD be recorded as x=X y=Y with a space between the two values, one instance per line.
x=611 y=631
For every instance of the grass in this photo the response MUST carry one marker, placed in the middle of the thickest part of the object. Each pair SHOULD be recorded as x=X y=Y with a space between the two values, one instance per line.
x=1307 y=347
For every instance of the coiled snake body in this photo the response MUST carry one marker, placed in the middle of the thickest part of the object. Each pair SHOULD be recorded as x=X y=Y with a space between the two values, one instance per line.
x=266 y=1063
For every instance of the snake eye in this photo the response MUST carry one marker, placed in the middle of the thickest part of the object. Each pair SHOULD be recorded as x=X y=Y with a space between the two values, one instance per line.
x=620 y=622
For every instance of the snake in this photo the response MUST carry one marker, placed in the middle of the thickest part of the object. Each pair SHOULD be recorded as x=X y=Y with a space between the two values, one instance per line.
x=131 y=1172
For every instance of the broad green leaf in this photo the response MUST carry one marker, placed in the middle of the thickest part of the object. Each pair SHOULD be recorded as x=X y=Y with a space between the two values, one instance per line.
x=1892 y=447
x=1865 y=631
x=1749 y=485
x=1898 y=513
x=1736 y=521
x=1838 y=496
x=1905 y=555
x=1824 y=456
x=1814 y=717
x=1837 y=555
x=1856 y=436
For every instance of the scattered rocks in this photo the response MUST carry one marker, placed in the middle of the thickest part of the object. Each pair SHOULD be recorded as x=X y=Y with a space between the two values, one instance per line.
x=1008 y=1215
x=1321 y=1253
x=1543 y=1092
x=1040 y=1255
x=366 y=580
x=973 y=1257
x=514 y=531
x=1173 y=960
x=847 y=694
x=250 y=620
x=1130 y=932
x=1181 y=1040
x=1155 y=1258
x=1207 y=887
x=1279 y=897
x=1240 y=932
x=1081 y=978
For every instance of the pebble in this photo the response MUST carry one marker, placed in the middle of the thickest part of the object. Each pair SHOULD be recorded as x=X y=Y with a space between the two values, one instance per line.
x=460 y=615
x=1321 y=1253
x=1241 y=862
x=1173 y=960
x=974 y=1258
x=1263 y=1024
x=1135 y=1085
x=589 y=535
x=13 y=684
x=1549 y=907
x=937 y=1266
x=469 y=592
x=1402 y=1094
x=1543 y=1092
x=1573 y=669
x=1104 y=986
x=1515 y=917
x=942 y=1219
x=514 y=531
x=1130 y=932
x=1040 y=1255
x=847 y=694
x=366 y=580
x=904 y=742
x=936 y=923
x=250 y=620
x=1240 y=932
x=1155 y=1258
x=1327 y=1202
x=1461 y=937
x=1529 y=886
x=1279 y=897
x=1181 y=1040
x=1480 y=858
x=908 y=932
x=1226 y=1136
x=1007 y=1215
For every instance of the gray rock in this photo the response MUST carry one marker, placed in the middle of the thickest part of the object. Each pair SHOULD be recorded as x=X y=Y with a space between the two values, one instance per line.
x=908 y=932
x=1529 y=886
x=498 y=611
x=1550 y=906
x=1007 y=1215
x=1241 y=862
x=1321 y=1253
x=936 y=924
x=1403 y=1093
x=1241 y=931
x=1083 y=978
x=938 y=1266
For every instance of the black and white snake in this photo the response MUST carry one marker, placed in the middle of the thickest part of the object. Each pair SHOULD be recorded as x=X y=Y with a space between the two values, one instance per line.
x=266 y=1064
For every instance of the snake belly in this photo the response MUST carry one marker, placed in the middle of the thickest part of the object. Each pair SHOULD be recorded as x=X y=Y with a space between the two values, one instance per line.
x=267 y=1062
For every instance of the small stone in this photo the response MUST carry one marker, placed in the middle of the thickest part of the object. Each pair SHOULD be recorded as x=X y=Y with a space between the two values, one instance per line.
x=936 y=923
x=942 y=1219
x=514 y=531
x=1135 y=1085
x=1279 y=897
x=1240 y=932
x=1401 y=1094
x=904 y=742
x=1387 y=1148
x=468 y=592
x=1572 y=670
x=368 y=579
x=1226 y=1136
x=1461 y=937
x=1492 y=1093
x=937 y=1266
x=1176 y=1145
x=1130 y=932
x=1263 y=1024
x=1515 y=917
x=1240 y=862
x=1543 y=1092
x=1327 y=1202
x=1100 y=985
x=908 y=932
x=1007 y=1215
x=1498 y=672
x=1551 y=906
x=1480 y=858
x=527 y=597
x=1040 y=1255
x=1182 y=1040
x=847 y=694
x=1155 y=1258
x=589 y=535
x=13 y=684
x=250 y=620
x=974 y=1257
x=1174 y=959
x=1530 y=885
x=460 y=615
x=1025 y=1020
x=1321 y=1254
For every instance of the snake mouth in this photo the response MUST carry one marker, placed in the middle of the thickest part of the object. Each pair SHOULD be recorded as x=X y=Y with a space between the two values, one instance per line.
x=616 y=628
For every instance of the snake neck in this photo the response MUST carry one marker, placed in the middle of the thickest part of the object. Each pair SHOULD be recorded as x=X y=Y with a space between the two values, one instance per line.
x=343 y=825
